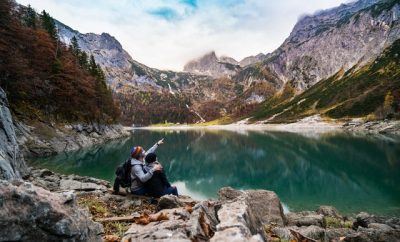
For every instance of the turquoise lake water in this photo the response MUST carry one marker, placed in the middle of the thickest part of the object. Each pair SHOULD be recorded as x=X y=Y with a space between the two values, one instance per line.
x=351 y=172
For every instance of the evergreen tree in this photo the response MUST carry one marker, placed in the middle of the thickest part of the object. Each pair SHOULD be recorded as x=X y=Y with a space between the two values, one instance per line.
x=93 y=66
x=100 y=75
x=75 y=46
x=57 y=67
x=49 y=25
x=30 y=17
x=83 y=60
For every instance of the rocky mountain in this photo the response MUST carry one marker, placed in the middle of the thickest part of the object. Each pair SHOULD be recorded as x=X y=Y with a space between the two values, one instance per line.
x=211 y=65
x=322 y=44
x=371 y=91
x=224 y=66
x=108 y=52
x=252 y=59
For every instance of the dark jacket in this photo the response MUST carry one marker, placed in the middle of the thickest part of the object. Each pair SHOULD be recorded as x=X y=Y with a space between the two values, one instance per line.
x=157 y=183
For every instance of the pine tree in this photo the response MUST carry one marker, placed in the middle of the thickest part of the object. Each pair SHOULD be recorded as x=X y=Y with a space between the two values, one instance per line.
x=49 y=25
x=83 y=60
x=30 y=17
x=93 y=66
x=75 y=46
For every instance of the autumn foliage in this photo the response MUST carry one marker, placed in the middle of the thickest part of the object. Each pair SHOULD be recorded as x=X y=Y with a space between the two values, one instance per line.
x=44 y=78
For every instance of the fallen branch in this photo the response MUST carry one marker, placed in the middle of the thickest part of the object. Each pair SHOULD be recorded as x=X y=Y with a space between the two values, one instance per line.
x=117 y=219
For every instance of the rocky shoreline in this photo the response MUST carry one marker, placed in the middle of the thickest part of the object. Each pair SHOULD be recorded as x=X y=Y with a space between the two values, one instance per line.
x=250 y=215
x=313 y=124
x=45 y=139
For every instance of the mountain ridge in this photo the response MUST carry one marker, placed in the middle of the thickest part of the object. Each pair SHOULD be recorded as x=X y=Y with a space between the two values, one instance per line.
x=319 y=46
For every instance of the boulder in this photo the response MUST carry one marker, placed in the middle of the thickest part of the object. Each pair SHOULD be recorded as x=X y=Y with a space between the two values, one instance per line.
x=328 y=211
x=244 y=213
x=336 y=233
x=364 y=219
x=313 y=232
x=305 y=218
x=373 y=235
x=169 y=201
x=378 y=226
x=31 y=213
x=228 y=194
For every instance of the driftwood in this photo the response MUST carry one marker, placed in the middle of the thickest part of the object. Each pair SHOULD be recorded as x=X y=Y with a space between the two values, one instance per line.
x=117 y=219
x=301 y=238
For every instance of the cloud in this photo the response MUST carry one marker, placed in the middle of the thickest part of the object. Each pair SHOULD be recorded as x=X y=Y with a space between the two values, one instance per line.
x=167 y=33
x=165 y=13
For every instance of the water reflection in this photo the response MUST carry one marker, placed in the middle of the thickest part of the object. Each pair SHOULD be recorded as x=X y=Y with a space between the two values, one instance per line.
x=353 y=173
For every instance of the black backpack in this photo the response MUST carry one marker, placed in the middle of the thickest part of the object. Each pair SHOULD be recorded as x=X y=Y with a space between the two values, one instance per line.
x=123 y=173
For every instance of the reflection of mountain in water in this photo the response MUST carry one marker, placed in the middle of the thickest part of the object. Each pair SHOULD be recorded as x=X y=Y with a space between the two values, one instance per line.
x=352 y=173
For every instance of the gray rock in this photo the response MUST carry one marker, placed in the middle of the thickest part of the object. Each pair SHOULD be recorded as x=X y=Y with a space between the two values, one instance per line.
x=12 y=163
x=243 y=213
x=378 y=226
x=364 y=219
x=203 y=221
x=313 y=232
x=336 y=233
x=373 y=235
x=305 y=218
x=328 y=211
x=42 y=216
x=228 y=194
x=80 y=186
x=169 y=201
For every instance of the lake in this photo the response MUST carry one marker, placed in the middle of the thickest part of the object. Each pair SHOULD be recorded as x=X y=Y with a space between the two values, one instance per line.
x=351 y=172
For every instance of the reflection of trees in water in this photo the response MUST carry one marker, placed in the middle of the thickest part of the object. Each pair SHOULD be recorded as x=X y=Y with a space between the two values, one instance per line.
x=97 y=161
x=342 y=170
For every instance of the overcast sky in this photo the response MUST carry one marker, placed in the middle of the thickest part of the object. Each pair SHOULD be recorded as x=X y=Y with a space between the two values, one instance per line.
x=165 y=34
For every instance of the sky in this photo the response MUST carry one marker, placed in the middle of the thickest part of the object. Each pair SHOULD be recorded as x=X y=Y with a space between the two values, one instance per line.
x=166 y=34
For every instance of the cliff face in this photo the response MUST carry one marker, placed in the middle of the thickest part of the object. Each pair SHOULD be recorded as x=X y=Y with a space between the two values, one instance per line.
x=12 y=164
x=335 y=39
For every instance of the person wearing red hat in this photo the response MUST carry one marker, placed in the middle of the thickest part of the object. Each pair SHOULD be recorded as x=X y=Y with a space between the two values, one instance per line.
x=138 y=174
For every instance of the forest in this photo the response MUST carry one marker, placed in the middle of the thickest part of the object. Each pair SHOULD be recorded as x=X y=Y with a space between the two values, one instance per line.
x=45 y=79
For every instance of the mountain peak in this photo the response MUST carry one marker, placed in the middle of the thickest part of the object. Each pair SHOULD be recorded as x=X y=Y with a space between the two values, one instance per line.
x=210 y=65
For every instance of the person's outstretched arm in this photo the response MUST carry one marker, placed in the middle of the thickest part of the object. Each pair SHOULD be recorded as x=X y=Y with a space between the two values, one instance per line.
x=155 y=146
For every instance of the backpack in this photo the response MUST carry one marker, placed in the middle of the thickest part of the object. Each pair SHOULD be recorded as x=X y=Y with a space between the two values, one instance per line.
x=123 y=178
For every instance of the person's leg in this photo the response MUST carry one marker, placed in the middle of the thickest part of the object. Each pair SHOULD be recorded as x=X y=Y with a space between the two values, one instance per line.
x=175 y=191
x=116 y=185
x=170 y=190
x=141 y=192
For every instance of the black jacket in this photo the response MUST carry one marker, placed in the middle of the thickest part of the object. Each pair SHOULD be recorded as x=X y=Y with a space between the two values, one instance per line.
x=157 y=183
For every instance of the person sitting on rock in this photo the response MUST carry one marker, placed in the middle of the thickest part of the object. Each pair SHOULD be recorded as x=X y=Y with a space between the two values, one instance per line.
x=158 y=185
x=138 y=175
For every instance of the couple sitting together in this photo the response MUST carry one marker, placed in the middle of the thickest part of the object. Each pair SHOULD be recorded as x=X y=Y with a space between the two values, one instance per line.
x=148 y=177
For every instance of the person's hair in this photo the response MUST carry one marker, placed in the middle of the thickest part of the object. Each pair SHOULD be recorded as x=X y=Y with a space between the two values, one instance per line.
x=150 y=158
